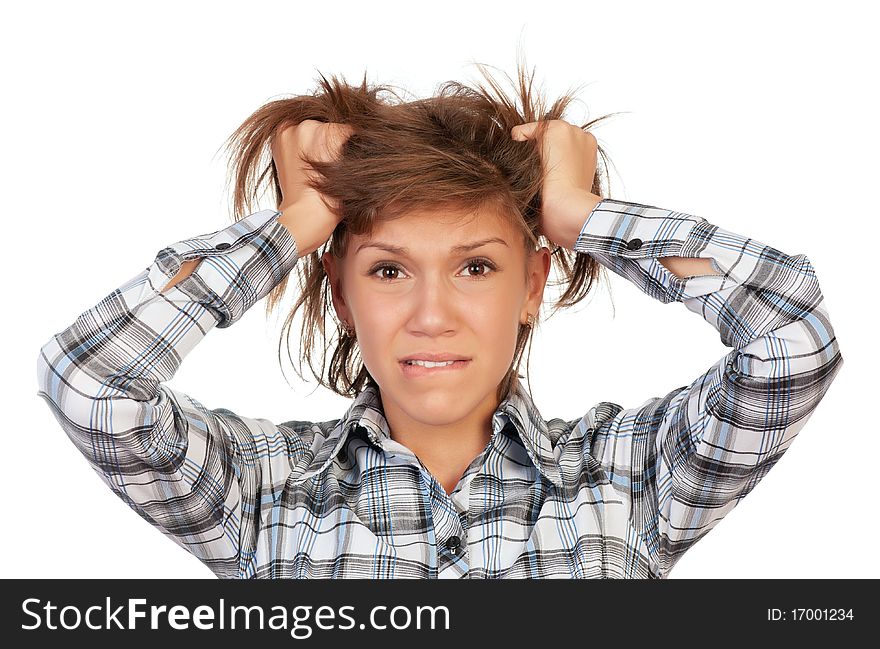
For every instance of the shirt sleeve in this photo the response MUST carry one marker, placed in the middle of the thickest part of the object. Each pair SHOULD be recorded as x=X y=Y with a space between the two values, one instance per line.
x=686 y=459
x=199 y=475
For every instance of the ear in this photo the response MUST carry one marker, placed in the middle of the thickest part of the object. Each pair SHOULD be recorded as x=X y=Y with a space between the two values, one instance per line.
x=333 y=269
x=538 y=271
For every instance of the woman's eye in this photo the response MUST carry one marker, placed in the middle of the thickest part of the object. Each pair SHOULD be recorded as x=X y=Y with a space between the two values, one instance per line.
x=478 y=263
x=387 y=270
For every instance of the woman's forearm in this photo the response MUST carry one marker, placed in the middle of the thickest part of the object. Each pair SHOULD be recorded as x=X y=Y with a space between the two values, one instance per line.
x=683 y=267
x=186 y=269
x=293 y=217
x=578 y=203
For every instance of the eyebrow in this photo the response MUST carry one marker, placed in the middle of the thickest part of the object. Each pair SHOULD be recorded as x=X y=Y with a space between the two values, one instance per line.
x=398 y=250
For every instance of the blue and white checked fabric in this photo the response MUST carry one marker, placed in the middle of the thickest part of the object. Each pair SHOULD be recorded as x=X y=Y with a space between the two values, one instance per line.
x=617 y=493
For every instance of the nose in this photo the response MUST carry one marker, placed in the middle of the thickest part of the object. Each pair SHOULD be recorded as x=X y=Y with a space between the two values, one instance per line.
x=436 y=307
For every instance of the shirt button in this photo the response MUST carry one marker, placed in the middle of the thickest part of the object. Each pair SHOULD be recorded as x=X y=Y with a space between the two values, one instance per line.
x=634 y=244
x=222 y=246
x=453 y=543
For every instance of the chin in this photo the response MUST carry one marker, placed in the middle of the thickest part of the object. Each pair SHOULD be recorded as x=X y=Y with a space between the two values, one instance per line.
x=436 y=401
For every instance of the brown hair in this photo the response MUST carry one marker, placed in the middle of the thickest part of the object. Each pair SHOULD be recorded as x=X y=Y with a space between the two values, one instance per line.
x=453 y=150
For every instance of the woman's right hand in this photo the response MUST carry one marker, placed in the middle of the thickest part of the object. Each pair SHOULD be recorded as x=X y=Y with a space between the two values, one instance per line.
x=308 y=215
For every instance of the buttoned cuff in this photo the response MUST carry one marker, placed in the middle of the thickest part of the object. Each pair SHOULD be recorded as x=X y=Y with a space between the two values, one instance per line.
x=240 y=265
x=628 y=238
x=637 y=231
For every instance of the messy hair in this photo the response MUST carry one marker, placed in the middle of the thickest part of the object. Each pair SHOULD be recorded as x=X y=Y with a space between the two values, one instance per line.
x=451 y=151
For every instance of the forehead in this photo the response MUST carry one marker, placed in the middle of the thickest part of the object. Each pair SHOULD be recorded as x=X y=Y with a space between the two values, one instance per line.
x=426 y=231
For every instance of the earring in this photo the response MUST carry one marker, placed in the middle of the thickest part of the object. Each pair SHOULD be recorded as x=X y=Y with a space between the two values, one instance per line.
x=531 y=321
x=349 y=330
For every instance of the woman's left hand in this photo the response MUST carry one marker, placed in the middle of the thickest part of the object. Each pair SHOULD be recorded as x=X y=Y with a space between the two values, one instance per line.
x=569 y=156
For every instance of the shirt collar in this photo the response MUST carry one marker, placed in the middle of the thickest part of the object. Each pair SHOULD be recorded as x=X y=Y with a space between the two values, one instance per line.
x=517 y=413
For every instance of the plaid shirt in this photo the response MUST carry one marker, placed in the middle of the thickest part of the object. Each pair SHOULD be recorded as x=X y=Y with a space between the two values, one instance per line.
x=619 y=493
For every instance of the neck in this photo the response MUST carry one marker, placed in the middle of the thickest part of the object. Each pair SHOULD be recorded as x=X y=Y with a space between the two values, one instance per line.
x=446 y=450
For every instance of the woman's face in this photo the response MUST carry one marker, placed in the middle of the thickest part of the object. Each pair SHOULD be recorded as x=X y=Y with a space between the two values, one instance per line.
x=418 y=286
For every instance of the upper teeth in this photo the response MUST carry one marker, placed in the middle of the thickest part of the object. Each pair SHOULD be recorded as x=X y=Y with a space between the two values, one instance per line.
x=430 y=363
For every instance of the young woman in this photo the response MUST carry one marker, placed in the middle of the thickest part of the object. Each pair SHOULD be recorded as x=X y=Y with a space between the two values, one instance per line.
x=432 y=215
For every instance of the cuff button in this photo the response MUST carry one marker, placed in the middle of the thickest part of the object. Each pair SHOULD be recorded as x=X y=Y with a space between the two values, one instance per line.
x=634 y=244
x=223 y=246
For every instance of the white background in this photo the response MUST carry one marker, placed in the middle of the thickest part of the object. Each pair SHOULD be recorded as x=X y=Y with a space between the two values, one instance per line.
x=759 y=116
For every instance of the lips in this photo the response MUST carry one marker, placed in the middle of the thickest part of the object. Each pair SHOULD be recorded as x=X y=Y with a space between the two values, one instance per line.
x=420 y=371
x=436 y=357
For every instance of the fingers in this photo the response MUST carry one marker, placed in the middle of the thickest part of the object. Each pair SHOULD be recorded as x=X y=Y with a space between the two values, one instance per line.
x=523 y=132
x=341 y=132
x=527 y=131
x=337 y=136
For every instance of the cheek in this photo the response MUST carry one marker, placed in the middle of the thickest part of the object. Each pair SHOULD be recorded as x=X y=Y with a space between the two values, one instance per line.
x=379 y=322
x=495 y=322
